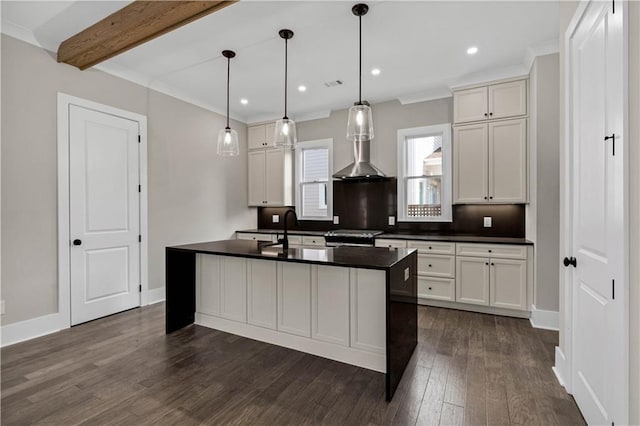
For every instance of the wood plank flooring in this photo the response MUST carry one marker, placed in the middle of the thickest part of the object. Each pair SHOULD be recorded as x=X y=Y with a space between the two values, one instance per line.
x=468 y=368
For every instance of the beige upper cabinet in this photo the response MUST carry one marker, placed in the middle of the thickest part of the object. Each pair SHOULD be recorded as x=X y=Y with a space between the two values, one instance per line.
x=495 y=101
x=257 y=171
x=261 y=136
x=270 y=177
x=470 y=164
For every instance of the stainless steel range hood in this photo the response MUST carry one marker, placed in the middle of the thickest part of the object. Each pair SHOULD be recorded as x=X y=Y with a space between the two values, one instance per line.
x=361 y=168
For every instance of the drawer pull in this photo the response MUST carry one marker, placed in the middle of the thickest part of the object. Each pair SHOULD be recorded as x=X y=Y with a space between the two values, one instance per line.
x=493 y=264
x=429 y=247
x=489 y=250
x=429 y=265
x=487 y=263
x=430 y=288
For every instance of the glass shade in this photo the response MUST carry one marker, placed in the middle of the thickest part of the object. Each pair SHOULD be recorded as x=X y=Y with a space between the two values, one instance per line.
x=360 y=124
x=228 y=143
x=286 y=132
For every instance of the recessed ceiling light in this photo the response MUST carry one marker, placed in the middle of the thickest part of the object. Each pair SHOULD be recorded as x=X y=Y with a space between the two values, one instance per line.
x=472 y=50
x=244 y=101
x=375 y=71
x=302 y=88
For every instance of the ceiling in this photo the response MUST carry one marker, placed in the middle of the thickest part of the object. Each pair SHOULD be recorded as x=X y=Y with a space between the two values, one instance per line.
x=419 y=46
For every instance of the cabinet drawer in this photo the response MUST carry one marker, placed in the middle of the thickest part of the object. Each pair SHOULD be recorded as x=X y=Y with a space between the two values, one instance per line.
x=255 y=237
x=391 y=243
x=293 y=239
x=436 y=266
x=502 y=251
x=312 y=241
x=433 y=247
x=436 y=288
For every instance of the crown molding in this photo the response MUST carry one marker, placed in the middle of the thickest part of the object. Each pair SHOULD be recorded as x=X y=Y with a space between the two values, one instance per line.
x=425 y=95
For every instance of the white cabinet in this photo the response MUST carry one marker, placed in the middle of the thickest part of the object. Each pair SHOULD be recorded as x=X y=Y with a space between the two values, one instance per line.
x=436 y=269
x=233 y=288
x=261 y=136
x=495 y=101
x=312 y=241
x=294 y=298
x=261 y=293
x=208 y=284
x=508 y=287
x=255 y=236
x=330 y=304
x=436 y=288
x=368 y=321
x=472 y=280
x=433 y=247
x=390 y=243
x=270 y=177
x=490 y=162
x=436 y=265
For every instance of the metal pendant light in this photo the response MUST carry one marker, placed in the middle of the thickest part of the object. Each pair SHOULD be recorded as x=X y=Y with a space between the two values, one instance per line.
x=227 y=137
x=285 y=127
x=360 y=123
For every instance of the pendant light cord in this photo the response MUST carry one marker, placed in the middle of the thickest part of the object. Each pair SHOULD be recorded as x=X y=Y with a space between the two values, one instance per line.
x=360 y=49
x=285 y=76
x=228 y=78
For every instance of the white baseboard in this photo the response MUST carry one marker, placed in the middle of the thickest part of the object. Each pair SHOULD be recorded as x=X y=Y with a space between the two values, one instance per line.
x=155 y=295
x=560 y=369
x=473 y=308
x=29 y=329
x=548 y=320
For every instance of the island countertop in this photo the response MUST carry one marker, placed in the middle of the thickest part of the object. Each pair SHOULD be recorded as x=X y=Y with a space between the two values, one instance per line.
x=360 y=257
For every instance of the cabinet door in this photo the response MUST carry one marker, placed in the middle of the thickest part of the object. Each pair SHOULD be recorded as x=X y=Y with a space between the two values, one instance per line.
x=313 y=241
x=294 y=298
x=508 y=284
x=508 y=99
x=470 y=105
x=330 y=304
x=368 y=320
x=390 y=243
x=275 y=177
x=261 y=293
x=270 y=135
x=470 y=164
x=472 y=280
x=508 y=161
x=436 y=265
x=233 y=288
x=208 y=287
x=256 y=137
x=437 y=288
x=257 y=174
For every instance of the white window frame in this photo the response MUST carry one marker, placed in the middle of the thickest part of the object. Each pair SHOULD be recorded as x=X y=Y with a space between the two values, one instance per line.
x=436 y=130
x=300 y=148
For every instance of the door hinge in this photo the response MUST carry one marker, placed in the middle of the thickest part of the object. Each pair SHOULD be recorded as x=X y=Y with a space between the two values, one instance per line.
x=613 y=142
x=139 y=238
x=139 y=139
x=613 y=289
x=139 y=188
x=140 y=288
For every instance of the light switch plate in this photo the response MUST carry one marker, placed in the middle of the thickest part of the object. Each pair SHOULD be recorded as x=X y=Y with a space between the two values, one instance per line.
x=392 y=220
x=336 y=220
x=487 y=221
x=275 y=218
x=406 y=274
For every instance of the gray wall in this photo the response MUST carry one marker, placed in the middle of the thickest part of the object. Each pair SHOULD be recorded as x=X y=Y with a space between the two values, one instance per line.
x=388 y=117
x=544 y=170
x=193 y=194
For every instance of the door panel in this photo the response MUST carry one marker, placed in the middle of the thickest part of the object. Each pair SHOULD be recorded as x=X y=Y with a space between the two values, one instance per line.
x=508 y=99
x=508 y=284
x=294 y=298
x=470 y=164
x=261 y=293
x=470 y=105
x=330 y=304
x=257 y=173
x=275 y=177
x=104 y=210
x=472 y=280
x=508 y=161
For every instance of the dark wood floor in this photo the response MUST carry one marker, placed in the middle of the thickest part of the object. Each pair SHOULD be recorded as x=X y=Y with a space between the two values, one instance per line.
x=468 y=369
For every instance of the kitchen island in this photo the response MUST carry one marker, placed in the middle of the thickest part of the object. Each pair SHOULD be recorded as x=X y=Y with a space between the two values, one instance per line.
x=356 y=305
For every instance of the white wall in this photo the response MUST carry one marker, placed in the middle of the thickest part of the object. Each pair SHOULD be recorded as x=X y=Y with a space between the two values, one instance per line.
x=193 y=194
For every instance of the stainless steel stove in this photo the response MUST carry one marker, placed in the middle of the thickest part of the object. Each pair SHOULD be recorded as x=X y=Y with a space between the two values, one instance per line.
x=351 y=237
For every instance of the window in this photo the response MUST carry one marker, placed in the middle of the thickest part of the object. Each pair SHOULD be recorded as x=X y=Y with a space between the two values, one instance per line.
x=424 y=174
x=314 y=191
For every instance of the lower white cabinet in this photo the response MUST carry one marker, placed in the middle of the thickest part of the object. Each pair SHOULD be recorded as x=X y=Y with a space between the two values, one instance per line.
x=294 y=298
x=472 y=280
x=208 y=284
x=437 y=288
x=368 y=322
x=233 y=288
x=330 y=304
x=261 y=293
x=255 y=236
x=508 y=284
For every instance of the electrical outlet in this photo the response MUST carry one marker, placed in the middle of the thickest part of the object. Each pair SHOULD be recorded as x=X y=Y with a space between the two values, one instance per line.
x=1 y=307
x=392 y=220
x=406 y=274
x=275 y=218
x=487 y=221
x=336 y=220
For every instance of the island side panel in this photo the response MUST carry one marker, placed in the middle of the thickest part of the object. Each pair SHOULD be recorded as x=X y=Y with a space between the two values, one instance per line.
x=180 y=289
x=402 y=319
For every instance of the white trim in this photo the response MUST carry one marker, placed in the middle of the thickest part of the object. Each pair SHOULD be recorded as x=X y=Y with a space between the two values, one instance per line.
x=503 y=75
x=560 y=369
x=29 y=329
x=447 y=172
x=365 y=359
x=64 y=280
x=548 y=48
x=425 y=95
x=154 y=295
x=547 y=320
x=300 y=147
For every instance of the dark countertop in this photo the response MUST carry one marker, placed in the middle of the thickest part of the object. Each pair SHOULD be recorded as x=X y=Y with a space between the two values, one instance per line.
x=457 y=238
x=353 y=257
x=280 y=231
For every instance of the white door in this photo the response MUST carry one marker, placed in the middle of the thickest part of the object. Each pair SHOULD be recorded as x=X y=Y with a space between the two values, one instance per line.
x=470 y=164
x=599 y=369
x=104 y=214
x=470 y=105
x=508 y=99
x=472 y=280
x=508 y=161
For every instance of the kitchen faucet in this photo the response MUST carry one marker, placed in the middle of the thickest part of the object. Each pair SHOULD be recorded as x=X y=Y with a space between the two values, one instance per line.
x=285 y=241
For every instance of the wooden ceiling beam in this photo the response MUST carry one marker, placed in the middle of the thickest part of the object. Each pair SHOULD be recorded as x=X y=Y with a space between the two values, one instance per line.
x=131 y=26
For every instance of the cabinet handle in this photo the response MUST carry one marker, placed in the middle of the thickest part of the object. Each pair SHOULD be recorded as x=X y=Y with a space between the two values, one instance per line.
x=487 y=263
x=485 y=198
x=490 y=113
x=493 y=264
x=429 y=265
x=491 y=198
x=430 y=288
x=489 y=250
x=485 y=114
x=429 y=247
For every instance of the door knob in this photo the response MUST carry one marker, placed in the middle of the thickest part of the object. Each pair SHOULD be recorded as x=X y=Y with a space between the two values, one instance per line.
x=77 y=242
x=570 y=261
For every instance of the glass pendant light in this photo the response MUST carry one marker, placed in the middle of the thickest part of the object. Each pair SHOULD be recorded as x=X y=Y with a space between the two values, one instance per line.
x=360 y=123
x=227 y=137
x=285 y=127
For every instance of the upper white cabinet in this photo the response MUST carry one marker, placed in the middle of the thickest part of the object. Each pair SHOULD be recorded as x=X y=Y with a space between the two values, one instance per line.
x=490 y=162
x=270 y=177
x=261 y=136
x=495 y=101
